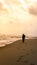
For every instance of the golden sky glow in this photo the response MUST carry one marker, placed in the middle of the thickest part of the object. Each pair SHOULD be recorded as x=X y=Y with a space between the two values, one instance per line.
x=17 y=16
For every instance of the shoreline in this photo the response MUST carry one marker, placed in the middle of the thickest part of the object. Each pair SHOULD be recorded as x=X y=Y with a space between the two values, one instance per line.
x=4 y=43
x=18 y=53
x=7 y=42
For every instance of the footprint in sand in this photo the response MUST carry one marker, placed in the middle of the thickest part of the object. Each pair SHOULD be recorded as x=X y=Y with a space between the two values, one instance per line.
x=26 y=61
x=32 y=64
x=19 y=58
x=32 y=52
x=27 y=53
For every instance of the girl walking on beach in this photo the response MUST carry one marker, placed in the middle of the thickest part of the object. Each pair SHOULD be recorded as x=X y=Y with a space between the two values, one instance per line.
x=23 y=38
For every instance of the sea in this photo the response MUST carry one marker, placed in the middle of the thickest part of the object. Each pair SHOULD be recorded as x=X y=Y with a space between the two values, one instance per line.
x=7 y=40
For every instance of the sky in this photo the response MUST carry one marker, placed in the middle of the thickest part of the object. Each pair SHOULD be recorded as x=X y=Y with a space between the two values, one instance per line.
x=18 y=17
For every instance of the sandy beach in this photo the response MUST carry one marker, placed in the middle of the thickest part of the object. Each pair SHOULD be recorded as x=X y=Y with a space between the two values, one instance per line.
x=19 y=53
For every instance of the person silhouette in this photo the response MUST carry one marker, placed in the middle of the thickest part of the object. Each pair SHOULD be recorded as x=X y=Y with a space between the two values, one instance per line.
x=23 y=38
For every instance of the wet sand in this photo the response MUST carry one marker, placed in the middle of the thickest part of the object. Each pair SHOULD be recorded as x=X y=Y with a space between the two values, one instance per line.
x=19 y=53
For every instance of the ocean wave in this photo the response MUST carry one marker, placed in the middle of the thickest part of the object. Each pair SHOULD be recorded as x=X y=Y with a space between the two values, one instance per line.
x=7 y=41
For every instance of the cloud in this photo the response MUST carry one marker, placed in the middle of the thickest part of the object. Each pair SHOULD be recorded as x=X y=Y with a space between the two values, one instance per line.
x=1 y=8
x=33 y=8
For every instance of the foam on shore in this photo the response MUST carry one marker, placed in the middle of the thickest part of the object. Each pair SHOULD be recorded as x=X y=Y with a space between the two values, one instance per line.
x=8 y=41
